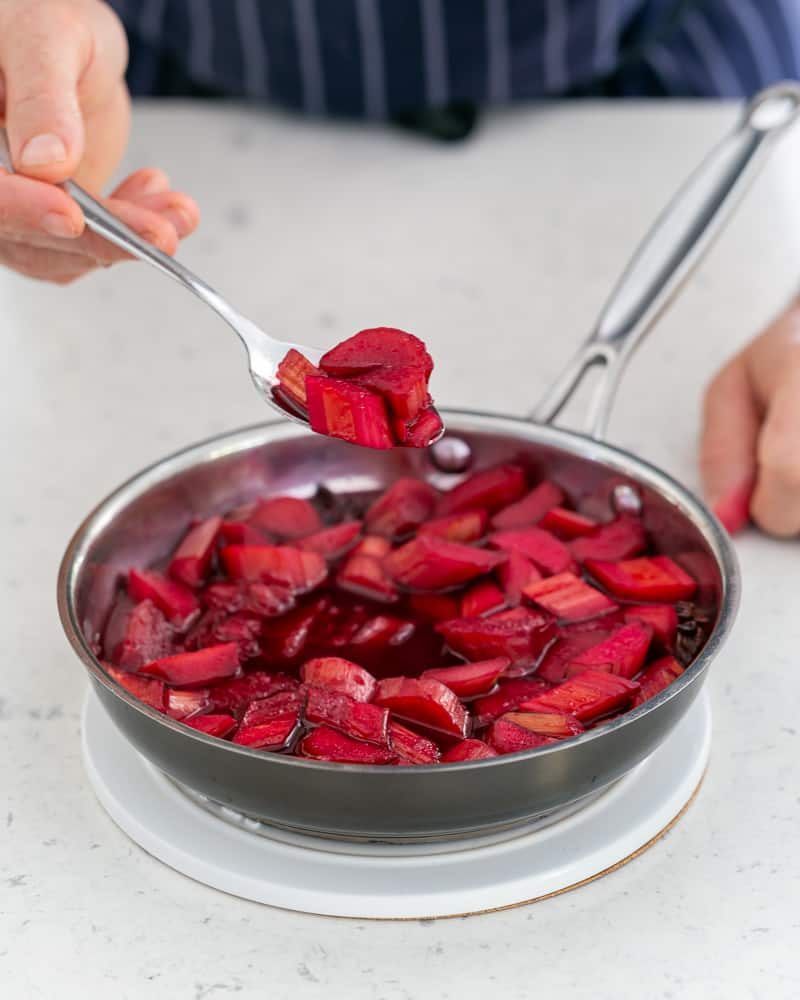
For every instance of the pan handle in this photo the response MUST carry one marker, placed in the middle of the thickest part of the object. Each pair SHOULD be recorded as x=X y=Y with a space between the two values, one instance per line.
x=670 y=252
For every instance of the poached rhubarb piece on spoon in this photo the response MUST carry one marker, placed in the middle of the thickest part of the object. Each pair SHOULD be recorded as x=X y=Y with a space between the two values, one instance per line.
x=371 y=390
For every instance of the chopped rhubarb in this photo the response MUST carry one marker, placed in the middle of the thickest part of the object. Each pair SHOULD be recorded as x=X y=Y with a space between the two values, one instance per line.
x=286 y=518
x=325 y=743
x=620 y=539
x=401 y=509
x=267 y=600
x=424 y=700
x=574 y=641
x=482 y=598
x=424 y=430
x=149 y=690
x=547 y=552
x=214 y=663
x=285 y=639
x=621 y=653
x=331 y=543
x=662 y=619
x=471 y=749
x=507 y=737
x=283 y=703
x=656 y=678
x=488 y=490
x=431 y=563
x=434 y=607
x=147 y=637
x=647 y=579
x=507 y=697
x=411 y=747
x=468 y=526
x=294 y=568
x=340 y=675
x=181 y=704
x=292 y=372
x=177 y=601
x=364 y=572
x=192 y=558
x=343 y=410
x=233 y=695
x=242 y=533
x=530 y=509
x=212 y=725
x=586 y=696
x=277 y=733
x=559 y=725
x=468 y=680
x=568 y=524
x=378 y=347
x=359 y=719
x=522 y=639
x=569 y=598
x=216 y=627
x=515 y=575
x=405 y=389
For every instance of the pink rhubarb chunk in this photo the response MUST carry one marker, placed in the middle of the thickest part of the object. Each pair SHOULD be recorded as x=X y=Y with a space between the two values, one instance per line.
x=488 y=490
x=648 y=579
x=530 y=509
x=325 y=743
x=214 y=663
x=424 y=700
x=568 y=597
x=177 y=601
x=340 y=675
x=401 y=509
x=192 y=558
x=343 y=410
x=431 y=563
x=468 y=680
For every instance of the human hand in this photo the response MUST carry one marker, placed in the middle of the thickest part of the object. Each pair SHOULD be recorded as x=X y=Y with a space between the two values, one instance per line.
x=66 y=111
x=750 y=454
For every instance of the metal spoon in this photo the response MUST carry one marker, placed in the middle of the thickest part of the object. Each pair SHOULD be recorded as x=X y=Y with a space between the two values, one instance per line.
x=264 y=353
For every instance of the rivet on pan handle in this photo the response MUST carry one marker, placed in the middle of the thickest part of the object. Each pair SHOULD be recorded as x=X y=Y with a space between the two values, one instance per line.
x=670 y=252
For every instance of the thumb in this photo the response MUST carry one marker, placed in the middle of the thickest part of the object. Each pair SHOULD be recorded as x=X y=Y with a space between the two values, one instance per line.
x=43 y=53
x=728 y=460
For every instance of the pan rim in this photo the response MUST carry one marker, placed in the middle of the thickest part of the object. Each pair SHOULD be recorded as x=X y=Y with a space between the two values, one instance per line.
x=231 y=442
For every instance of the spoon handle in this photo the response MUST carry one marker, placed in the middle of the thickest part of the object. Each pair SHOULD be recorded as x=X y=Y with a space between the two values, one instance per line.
x=670 y=252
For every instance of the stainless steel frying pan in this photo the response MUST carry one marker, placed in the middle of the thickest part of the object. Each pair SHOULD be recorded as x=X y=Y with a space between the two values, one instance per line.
x=136 y=523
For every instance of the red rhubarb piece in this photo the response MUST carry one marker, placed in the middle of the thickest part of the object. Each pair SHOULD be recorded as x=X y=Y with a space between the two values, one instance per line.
x=569 y=598
x=331 y=543
x=378 y=633
x=516 y=574
x=434 y=607
x=343 y=410
x=468 y=526
x=377 y=347
x=192 y=558
x=340 y=675
x=662 y=619
x=233 y=695
x=471 y=749
x=547 y=552
x=359 y=719
x=276 y=705
x=506 y=737
x=482 y=598
x=264 y=599
x=656 y=678
x=294 y=568
x=411 y=747
x=470 y=679
x=292 y=372
x=424 y=430
x=404 y=389
x=586 y=696
x=216 y=627
x=574 y=640
x=284 y=639
x=181 y=704
x=647 y=579
x=488 y=490
x=214 y=663
x=177 y=601
x=212 y=725
x=149 y=690
x=620 y=539
x=507 y=697
x=401 y=509
x=147 y=637
x=286 y=517
x=559 y=725
x=242 y=533
x=364 y=572
x=431 y=563
x=531 y=508
x=325 y=743
x=423 y=700
x=277 y=733
x=522 y=639
x=568 y=524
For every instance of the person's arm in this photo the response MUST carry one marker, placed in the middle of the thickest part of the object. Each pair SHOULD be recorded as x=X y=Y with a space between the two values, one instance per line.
x=67 y=114
x=751 y=436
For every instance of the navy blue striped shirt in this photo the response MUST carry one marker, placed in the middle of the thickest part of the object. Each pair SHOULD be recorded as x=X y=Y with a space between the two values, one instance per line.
x=387 y=58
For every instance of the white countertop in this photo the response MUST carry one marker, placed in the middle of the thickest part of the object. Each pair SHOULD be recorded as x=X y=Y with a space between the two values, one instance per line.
x=506 y=245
